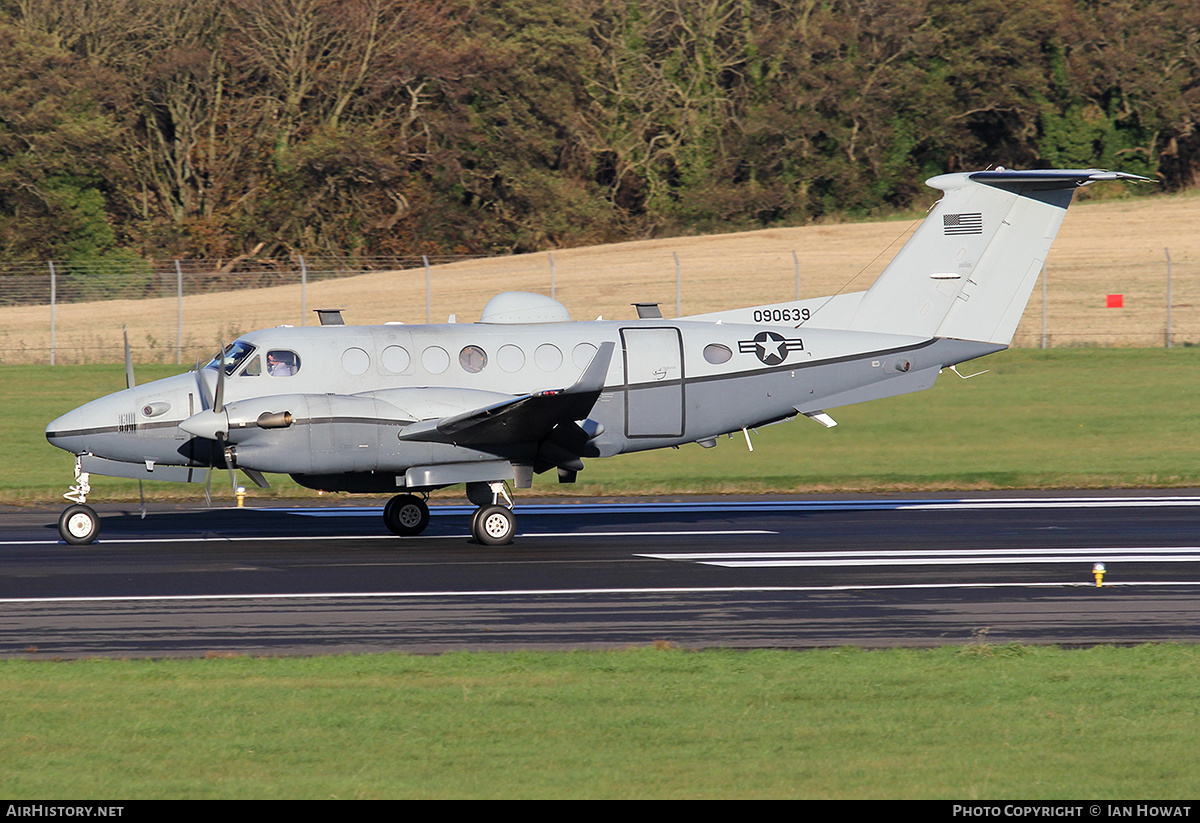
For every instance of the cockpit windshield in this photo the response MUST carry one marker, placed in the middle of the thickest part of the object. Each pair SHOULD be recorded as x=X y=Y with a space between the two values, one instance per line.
x=235 y=353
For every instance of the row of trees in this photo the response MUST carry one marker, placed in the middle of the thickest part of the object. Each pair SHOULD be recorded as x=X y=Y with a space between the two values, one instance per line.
x=219 y=128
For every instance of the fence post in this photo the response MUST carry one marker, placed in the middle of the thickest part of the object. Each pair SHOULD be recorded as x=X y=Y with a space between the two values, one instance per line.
x=550 y=254
x=1169 y=300
x=178 y=313
x=303 y=291
x=53 y=305
x=425 y=260
x=678 y=286
x=796 y=266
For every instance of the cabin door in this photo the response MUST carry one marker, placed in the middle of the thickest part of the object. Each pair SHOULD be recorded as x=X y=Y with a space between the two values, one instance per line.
x=654 y=387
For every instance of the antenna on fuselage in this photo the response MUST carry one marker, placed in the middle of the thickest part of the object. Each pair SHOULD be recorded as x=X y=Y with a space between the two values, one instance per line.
x=330 y=317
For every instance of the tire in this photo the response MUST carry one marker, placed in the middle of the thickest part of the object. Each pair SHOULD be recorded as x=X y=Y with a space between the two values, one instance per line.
x=406 y=515
x=79 y=524
x=493 y=525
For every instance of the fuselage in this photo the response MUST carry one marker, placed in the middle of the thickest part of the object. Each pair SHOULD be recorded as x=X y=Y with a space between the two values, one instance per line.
x=350 y=391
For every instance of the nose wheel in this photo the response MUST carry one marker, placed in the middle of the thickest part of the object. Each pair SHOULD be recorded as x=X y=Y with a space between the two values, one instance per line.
x=78 y=524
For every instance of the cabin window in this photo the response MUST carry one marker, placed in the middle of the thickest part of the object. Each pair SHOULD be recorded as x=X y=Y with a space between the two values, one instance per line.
x=582 y=355
x=435 y=359
x=510 y=358
x=473 y=359
x=717 y=354
x=282 y=363
x=548 y=357
x=396 y=359
x=253 y=367
x=355 y=361
x=235 y=353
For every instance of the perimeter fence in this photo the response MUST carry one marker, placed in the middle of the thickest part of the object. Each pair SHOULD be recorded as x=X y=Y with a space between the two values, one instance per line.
x=178 y=310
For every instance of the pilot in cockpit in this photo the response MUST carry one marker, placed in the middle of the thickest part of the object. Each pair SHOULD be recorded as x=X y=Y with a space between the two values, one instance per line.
x=282 y=363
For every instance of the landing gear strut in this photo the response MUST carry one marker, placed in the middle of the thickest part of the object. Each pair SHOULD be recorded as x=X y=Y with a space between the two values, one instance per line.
x=406 y=515
x=79 y=524
x=493 y=523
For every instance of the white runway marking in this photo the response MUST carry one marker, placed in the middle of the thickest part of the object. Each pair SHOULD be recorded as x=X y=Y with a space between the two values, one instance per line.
x=935 y=557
x=399 y=540
x=573 y=592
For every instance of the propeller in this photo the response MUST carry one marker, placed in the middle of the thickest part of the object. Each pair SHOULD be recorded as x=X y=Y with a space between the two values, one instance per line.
x=223 y=434
x=211 y=424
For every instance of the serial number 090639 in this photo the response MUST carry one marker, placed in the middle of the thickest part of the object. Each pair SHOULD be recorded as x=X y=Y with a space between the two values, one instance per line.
x=781 y=315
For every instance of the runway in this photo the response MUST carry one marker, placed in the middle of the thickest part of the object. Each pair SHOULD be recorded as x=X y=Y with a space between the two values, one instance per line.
x=732 y=572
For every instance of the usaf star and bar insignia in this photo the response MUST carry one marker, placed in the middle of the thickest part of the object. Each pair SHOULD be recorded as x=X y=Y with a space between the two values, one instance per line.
x=771 y=348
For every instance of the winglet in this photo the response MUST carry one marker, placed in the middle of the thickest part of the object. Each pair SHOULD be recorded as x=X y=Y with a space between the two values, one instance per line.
x=592 y=379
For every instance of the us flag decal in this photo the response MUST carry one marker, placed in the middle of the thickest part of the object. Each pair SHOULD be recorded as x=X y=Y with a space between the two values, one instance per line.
x=962 y=223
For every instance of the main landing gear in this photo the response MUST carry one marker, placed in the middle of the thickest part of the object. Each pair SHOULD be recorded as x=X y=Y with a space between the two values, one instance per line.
x=492 y=524
x=79 y=524
x=406 y=515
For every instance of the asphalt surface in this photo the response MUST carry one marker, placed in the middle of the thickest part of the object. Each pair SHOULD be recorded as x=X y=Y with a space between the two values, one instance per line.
x=732 y=572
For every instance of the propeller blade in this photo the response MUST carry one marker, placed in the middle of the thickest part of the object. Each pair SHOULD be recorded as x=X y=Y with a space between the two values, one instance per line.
x=202 y=387
x=129 y=381
x=219 y=399
x=223 y=445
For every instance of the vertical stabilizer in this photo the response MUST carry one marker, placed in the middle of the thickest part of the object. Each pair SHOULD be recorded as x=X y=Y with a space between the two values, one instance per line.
x=968 y=270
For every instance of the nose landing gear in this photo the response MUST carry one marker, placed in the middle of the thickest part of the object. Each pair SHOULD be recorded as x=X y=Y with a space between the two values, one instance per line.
x=79 y=524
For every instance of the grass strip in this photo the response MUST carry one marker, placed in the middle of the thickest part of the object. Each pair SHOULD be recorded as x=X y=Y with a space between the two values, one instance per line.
x=970 y=722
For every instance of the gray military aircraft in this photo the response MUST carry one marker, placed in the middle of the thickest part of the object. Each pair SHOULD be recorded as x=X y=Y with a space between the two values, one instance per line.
x=410 y=409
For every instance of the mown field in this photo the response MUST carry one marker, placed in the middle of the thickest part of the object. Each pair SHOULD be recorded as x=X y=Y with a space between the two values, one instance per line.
x=977 y=722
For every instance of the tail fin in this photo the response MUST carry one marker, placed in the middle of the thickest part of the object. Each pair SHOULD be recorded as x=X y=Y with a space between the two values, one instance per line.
x=968 y=270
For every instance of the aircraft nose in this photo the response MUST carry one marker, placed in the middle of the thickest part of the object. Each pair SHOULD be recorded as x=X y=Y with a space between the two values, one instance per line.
x=76 y=430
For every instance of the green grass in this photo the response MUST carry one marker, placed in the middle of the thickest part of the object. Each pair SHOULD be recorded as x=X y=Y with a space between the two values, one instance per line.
x=974 y=722
x=1063 y=418
x=977 y=722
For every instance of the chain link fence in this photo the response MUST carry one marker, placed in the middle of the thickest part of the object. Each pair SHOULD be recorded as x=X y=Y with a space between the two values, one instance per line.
x=179 y=310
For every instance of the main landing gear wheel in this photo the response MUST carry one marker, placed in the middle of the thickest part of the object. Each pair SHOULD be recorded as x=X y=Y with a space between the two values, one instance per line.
x=493 y=525
x=78 y=524
x=406 y=515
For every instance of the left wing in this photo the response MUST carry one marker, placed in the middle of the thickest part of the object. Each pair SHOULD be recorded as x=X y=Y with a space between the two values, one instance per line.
x=529 y=418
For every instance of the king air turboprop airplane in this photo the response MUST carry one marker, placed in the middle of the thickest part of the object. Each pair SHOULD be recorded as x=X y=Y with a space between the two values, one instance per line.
x=410 y=409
